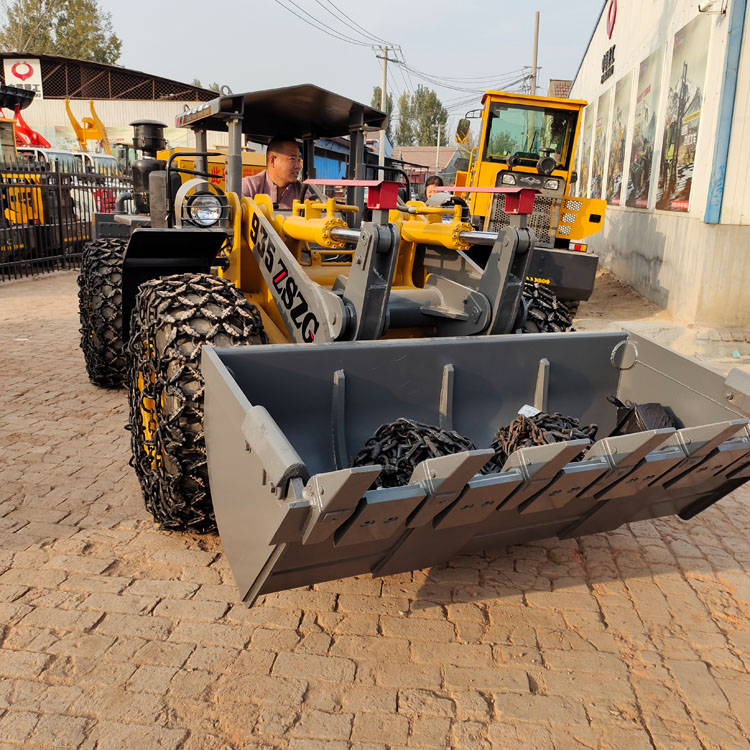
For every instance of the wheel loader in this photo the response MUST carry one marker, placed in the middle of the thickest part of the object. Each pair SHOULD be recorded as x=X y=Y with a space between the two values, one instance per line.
x=267 y=347
x=530 y=141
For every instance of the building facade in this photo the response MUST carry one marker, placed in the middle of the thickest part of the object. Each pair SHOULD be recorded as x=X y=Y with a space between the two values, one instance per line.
x=119 y=96
x=664 y=141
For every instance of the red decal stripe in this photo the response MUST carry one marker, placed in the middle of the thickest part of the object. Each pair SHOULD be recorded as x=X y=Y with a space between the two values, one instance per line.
x=279 y=276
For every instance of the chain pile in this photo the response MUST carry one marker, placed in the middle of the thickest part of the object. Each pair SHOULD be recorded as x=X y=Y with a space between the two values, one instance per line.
x=546 y=314
x=399 y=446
x=541 y=429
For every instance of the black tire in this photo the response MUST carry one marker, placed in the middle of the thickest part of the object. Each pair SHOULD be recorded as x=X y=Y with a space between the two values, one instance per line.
x=571 y=305
x=100 y=311
x=173 y=318
x=545 y=313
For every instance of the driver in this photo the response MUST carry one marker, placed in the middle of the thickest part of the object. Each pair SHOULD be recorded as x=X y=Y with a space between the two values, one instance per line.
x=279 y=179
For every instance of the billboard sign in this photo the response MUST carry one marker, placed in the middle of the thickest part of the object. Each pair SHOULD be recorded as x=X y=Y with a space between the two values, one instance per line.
x=24 y=73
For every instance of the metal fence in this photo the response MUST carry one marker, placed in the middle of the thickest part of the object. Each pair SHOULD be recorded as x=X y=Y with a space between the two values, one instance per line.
x=45 y=215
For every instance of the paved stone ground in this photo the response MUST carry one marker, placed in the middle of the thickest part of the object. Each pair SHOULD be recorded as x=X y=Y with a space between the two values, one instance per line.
x=117 y=635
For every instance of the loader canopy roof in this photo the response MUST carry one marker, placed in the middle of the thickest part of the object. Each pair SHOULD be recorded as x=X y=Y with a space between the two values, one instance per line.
x=304 y=111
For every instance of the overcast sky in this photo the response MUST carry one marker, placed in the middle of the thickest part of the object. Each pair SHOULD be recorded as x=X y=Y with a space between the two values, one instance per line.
x=257 y=44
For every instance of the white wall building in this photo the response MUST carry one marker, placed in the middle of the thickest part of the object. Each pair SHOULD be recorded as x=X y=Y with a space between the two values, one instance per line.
x=119 y=96
x=665 y=141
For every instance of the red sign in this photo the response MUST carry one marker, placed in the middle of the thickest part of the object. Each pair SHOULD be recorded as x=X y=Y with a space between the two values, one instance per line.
x=22 y=70
x=611 y=17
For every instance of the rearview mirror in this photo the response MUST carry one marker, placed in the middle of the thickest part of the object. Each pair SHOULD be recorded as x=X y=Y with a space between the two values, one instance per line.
x=462 y=130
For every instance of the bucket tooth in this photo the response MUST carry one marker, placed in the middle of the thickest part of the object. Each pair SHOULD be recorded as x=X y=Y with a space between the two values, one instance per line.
x=665 y=480
x=481 y=497
x=705 y=456
x=381 y=514
x=569 y=483
x=442 y=480
x=334 y=496
x=624 y=453
x=539 y=466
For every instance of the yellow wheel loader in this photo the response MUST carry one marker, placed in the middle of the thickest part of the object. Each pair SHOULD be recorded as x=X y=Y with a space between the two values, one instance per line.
x=530 y=141
x=266 y=348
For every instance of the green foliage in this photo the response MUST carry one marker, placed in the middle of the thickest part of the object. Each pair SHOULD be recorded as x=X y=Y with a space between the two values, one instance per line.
x=72 y=28
x=377 y=99
x=420 y=114
x=405 y=129
x=428 y=112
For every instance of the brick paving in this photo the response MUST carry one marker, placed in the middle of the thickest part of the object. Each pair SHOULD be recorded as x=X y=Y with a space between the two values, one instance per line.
x=117 y=635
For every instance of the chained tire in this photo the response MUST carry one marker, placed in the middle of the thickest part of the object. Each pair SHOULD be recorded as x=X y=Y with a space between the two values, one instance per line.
x=173 y=318
x=571 y=305
x=544 y=313
x=100 y=311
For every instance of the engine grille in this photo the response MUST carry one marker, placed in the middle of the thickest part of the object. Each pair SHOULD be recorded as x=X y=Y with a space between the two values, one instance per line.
x=543 y=221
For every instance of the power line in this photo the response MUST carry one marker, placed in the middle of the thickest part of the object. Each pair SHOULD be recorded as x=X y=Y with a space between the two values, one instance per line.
x=356 y=26
x=314 y=23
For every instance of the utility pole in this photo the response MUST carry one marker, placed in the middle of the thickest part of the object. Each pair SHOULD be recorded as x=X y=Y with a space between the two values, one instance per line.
x=536 y=49
x=383 y=96
x=437 y=151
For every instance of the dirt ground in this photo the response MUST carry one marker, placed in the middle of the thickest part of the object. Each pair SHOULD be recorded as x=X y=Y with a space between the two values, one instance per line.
x=614 y=302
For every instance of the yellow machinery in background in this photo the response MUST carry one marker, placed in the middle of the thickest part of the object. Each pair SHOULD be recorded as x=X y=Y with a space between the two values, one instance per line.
x=7 y=139
x=184 y=159
x=89 y=129
x=529 y=141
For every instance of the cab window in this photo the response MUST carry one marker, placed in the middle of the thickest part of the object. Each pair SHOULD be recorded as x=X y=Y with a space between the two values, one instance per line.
x=526 y=131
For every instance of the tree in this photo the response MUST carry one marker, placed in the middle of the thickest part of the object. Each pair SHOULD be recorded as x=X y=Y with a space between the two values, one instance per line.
x=405 y=130
x=72 y=28
x=428 y=113
x=377 y=98
x=420 y=114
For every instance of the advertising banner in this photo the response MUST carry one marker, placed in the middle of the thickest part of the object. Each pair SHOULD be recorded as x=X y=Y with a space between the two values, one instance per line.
x=601 y=128
x=644 y=130
x=683 y=115
x=584 y=153
x=24 y=73
x=620 y=117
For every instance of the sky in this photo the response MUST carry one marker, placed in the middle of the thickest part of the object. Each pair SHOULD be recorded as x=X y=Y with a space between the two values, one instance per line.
x=472 y=45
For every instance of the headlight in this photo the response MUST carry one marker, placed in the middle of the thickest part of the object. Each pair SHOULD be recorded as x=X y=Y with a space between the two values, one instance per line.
x=551 y=184
x=509 y=179
x=205 y=210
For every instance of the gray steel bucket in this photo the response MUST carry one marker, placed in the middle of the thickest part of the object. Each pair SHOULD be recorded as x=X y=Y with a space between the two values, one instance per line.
x=282 y=423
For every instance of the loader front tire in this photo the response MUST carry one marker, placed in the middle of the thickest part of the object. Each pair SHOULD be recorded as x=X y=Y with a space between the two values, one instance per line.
x=173 y=318
x=100 y=311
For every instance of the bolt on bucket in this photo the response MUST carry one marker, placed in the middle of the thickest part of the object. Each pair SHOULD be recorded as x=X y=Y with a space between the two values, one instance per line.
x=283 y=423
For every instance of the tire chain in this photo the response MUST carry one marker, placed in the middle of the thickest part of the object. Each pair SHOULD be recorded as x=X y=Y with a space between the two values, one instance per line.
x=401 y=445
x=541 y=429
x=546 y=314
x=100 y=311
x=173 y=319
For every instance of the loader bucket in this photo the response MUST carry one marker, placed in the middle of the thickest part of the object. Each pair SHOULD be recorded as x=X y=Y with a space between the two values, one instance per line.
x=282 y=423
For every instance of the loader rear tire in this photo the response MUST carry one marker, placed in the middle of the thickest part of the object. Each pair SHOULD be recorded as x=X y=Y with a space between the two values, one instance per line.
x=173 y=318
x=100 y=311
x=572 y=306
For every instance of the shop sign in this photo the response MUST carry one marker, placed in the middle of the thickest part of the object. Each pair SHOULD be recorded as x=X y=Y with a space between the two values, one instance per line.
x=608 y=63
x=24 y=73
x=611 y=17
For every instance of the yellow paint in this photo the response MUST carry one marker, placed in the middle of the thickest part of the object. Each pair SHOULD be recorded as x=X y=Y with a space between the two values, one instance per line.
x=252 y=163
x=484 y=173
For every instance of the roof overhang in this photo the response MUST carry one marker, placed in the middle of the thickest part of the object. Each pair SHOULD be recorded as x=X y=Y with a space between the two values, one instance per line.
x=305 y=111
